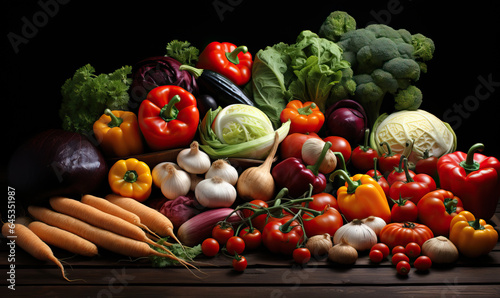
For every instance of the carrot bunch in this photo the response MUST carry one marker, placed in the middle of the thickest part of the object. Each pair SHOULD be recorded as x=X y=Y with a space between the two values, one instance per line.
x=118 y=224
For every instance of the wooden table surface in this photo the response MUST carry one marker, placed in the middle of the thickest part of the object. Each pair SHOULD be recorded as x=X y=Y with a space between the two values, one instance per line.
x=267 y=275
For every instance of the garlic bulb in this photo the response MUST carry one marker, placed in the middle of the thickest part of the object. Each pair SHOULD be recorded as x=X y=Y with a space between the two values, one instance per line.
x=343 y=253
x=159 y=172
x=176 y=182
x=375 y=223
x=440 y=250
x=215 y=193
x=224 y=170
x=311 y=151
x=356 y=234
x=319 y=245
x=193 y=160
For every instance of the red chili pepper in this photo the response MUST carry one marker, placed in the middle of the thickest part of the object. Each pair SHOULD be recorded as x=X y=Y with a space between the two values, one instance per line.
x=168 y=117
x=363 y=155
x=283 y=235
x=225 y=58
x=293 y=174
x=436 y=210
x=388 y=161
x=413 y=188
x=306 y=117
x=474 y=178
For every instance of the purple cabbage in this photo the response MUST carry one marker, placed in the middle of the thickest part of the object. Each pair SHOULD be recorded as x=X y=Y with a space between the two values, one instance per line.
x=181 y=209
x=347 y=118
x=158 y=71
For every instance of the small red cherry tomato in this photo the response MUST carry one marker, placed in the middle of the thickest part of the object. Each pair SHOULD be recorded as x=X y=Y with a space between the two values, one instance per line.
x=398 y=257
x=383 y=248
x=252 y=239
x=235 y=245
x=397 y=249
x=340 y=144
x=403 y=268
x=222 y=233
x=412 y=250
x=376 y=256
x=240 y=263
x=422 y=263
x=210 y=247
x=301 y=255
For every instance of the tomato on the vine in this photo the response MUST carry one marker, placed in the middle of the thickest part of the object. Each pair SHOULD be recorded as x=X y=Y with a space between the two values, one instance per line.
x=252 y=238
x=301 y=255
x=240 y=263
x=383 y=248
x=321 y=200
x=222 y=233
x=398 y=257
x=422 y=263
x=260 y=220
x=376 y=256
x=403 y=268
x=210 y=247
x=412 y=250
x=235 y=245
x=329 y=221
x=340 y=144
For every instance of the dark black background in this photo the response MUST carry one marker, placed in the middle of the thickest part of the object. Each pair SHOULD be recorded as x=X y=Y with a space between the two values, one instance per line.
x=110 y=34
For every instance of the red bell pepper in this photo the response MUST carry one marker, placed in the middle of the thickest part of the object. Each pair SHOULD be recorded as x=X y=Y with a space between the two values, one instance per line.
x=293 y=174
x=436 y=210
x=474 y=178
x=413 y=188
x=225 y=58
x=283 y=235
x=306 y=117
x=168 y=117
x=388 y=161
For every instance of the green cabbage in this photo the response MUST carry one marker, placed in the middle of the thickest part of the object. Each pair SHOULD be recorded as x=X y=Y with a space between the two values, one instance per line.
x=238 y=130
x=426 y=130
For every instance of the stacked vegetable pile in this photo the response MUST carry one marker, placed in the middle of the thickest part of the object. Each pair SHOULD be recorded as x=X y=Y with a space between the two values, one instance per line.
x=287 y=151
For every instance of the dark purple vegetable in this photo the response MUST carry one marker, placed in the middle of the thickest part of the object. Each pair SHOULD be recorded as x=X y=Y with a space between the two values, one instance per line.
x=347 y=118
x=180 y=209
x=158 y=71
x=55 y=162
x=205 y=103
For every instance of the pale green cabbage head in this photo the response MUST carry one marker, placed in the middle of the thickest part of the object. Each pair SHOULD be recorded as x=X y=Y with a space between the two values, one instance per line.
x=426 y=130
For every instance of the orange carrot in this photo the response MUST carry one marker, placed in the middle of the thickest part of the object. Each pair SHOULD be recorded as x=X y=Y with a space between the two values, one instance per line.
x=152 y=218
x=101 y=237
x=31 y=243
x=63 y=239
x=113 y=209
x=99 y=218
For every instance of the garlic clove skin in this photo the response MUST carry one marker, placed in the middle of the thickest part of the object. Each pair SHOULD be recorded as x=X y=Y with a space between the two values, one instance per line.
x=159 y=172
x=223 y=169
x=215 y=193
x=175 y=182
x=193 y=160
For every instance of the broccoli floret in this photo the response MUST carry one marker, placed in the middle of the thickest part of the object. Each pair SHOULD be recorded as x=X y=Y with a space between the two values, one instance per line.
x=352 y=41
x=424 y=47
x=402 y=68
x=344 y=89
x=336 y=24
x=408 y=99
x=385 y=80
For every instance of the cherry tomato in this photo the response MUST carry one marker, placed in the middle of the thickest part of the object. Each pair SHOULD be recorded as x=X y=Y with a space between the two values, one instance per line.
x=412 y=250
x=422 y=263
x=427 y=165
x=363 y=155
x=222 y=233
x=252 y=239
x=260 y=220
x=321 y=200
x=210 y=247
x=397 y=249
x=240 y=263
x=235 y=245
x=404 y=210
x=398 y=257
x=382 y=247
x=301 y=255
x=403 y=268
x=376 y=256
x=340 y=144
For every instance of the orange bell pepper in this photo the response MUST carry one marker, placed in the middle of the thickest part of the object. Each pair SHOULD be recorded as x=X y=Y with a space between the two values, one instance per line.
x=472 y=236
x=118 y=133
x=361 y=197
x=306 y=117
x=131 y=178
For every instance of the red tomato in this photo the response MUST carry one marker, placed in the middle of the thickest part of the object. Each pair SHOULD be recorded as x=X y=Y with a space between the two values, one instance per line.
x=279 y=240
x=240 y=263
x=339 y=144
x=376 y=256
x=260 y=220
x=422 y=263
x=383 y=248
x=210 y=247
x=291 y=146
x=412 y=250
x=398 y=257
x=321 y=200
x=328 y=222
x=403 y=268
x=404 y=210
x=398 y=249
x=235 y=245
x=252 y=239
x=301 y=255
x=222 y=233
x=362 y=159
x=395 y=234
x=427 y=165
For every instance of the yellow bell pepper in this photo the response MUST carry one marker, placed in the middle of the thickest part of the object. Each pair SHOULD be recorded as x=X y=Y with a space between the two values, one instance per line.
x=473 y=237
x=361 y=197
x=118 y=133
x=131 y=178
